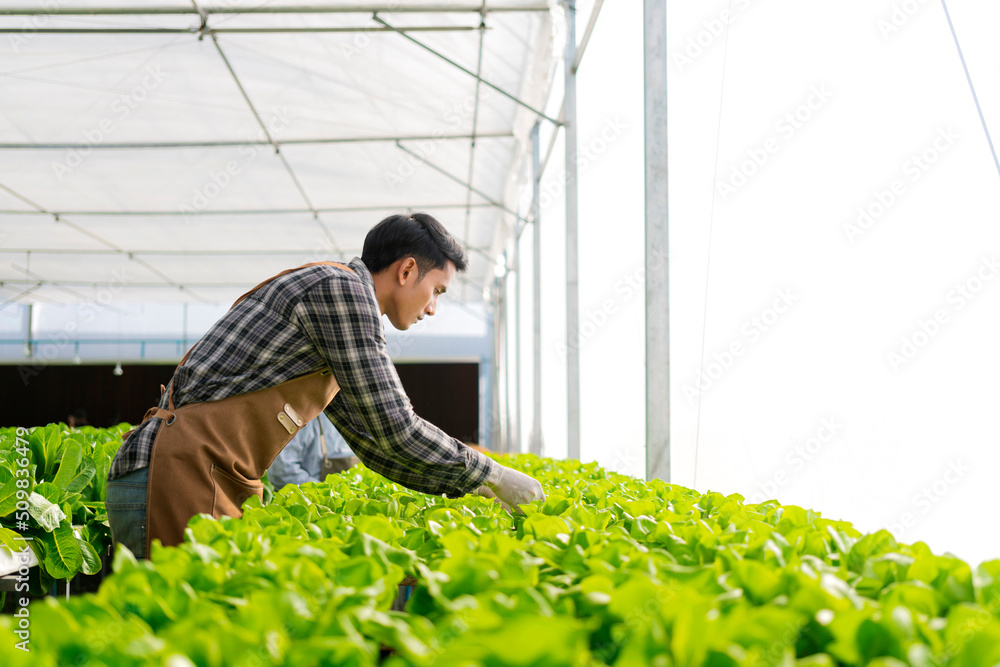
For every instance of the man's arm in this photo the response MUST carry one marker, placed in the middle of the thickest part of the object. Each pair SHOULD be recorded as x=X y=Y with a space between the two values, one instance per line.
x=341 y=318
x=362 y=444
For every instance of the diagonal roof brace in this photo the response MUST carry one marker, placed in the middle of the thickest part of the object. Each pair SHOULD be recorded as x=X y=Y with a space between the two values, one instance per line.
x=470 y=73
x=459 y=181
x=118 y=250
x=277 y=148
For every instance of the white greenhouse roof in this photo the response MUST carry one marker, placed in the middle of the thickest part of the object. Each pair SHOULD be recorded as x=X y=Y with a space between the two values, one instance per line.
x=184 y=151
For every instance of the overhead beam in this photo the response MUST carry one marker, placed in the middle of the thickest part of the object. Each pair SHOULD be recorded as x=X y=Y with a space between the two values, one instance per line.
x=187 y=287
x=432 y=8
x=266 y=211
x=211 y=31
x=59 y=218
x=235 y=252
x=248 y=142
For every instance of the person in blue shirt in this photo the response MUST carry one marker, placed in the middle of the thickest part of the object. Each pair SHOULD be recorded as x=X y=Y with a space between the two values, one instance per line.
x=316 y=451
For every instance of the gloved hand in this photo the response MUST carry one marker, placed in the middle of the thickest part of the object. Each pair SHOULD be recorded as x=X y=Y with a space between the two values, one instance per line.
x=485 y=492
x=514 y=488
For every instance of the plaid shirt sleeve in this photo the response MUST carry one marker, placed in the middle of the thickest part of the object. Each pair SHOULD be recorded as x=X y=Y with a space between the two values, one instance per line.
x=340 y=316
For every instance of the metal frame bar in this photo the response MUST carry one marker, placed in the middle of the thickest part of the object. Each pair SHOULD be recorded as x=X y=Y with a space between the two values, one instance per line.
x=448 y=60
x=144 y=285
x=271 y=140
x=572 y=244
x=165 y=253
x=59 y=218
x=200 y=253
x=518 y=311
x=459 y=181
x=475 y=124
x=290 y=9
x=264 y=211
x=251 y=142
x=535 y=442
x=594 y=13
x=213 y=31
x=657 y=243
x=42 y=281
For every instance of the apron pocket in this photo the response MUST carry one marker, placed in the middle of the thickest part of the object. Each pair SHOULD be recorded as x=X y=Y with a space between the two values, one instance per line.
x=231 y=493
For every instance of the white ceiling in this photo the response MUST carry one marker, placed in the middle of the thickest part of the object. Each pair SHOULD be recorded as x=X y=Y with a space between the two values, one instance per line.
x=357 y=115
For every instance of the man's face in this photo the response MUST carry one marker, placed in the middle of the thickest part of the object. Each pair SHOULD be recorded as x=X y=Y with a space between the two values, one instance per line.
x=416 y=294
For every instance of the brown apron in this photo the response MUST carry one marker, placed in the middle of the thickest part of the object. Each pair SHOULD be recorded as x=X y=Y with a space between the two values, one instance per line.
x=209 y=457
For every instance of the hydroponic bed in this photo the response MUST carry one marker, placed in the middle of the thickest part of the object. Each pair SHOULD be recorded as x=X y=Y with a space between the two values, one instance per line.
x=610 y=570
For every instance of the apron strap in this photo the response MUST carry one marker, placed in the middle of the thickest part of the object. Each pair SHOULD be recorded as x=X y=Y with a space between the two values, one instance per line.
x=259 y=285
x=156 y=412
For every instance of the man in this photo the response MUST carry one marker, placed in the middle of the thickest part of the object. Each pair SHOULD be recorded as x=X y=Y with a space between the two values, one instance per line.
x=316 y=451
x=306 y=341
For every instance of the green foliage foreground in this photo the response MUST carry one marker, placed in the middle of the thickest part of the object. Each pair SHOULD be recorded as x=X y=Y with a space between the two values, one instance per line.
x=609 y=570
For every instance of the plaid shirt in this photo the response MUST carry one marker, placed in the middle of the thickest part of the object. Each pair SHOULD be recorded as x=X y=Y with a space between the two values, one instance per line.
x=305 y=321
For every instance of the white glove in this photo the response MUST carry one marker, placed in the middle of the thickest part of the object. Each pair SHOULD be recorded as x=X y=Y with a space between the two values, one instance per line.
x=485 y=492
x=514 y=488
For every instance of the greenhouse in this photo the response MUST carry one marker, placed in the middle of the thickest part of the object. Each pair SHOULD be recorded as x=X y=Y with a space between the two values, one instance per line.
x=499 y=332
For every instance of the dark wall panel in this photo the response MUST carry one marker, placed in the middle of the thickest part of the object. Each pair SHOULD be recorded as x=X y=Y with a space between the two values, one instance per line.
x=35 y=395
x=447 y=395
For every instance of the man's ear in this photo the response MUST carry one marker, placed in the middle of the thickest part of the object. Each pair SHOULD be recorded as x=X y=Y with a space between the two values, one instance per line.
x=407 y=270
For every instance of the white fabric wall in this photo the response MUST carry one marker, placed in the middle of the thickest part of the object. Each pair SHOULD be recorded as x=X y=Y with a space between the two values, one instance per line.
x=812 y=408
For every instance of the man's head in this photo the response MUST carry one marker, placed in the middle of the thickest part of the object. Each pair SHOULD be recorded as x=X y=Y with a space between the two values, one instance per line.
x=413 y=259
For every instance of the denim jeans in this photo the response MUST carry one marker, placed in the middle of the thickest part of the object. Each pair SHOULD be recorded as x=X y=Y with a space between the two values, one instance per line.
x=126 y=504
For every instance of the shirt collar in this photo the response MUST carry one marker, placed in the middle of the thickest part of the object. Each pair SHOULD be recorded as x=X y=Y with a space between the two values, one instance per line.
x=362 y=272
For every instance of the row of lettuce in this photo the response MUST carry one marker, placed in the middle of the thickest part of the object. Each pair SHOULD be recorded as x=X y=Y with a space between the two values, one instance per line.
x=53 y=482
x=609 y=570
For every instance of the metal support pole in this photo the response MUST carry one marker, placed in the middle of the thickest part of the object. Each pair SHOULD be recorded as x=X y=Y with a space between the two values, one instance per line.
x=503 y=286
x=572 y=244
x=496 y=423
x=535 y=442
x=487 y=379
x=657 y=265
x=518 y=441
x=26 y=327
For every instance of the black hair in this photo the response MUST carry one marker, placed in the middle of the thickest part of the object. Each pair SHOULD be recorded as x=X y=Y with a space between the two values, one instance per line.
x=416 y=235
